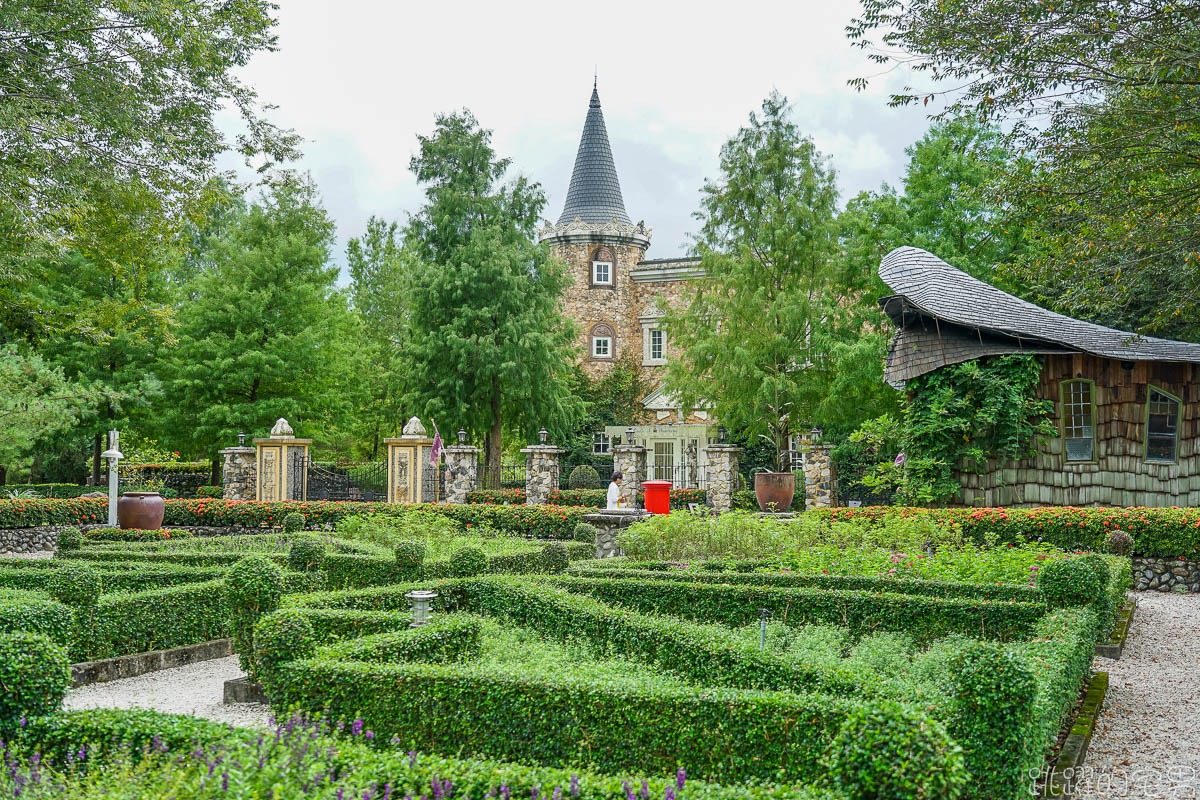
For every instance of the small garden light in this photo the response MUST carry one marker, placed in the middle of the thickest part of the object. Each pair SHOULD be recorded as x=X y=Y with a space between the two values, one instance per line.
x=764 y=614
x=421 y=600
x=462 y=436
x=543 y=436
x=241 y=440
x=113 y=454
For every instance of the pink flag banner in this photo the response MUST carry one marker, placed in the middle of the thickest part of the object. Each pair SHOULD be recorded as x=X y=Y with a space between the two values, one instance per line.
x=435 y=452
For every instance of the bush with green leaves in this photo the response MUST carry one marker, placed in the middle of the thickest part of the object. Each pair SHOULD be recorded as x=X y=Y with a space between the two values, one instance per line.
x=253 y=588
x=467 y=562
x=410 y=555
x=886 y=752
x=991 y=715
x=76 y=584
x=35 y=674
x=585 y=532
x=280 y=637
x=1071 y=581
x=293 y=522
x=67 y=539
x=34 y=612
x=306 y=554
x=584 y=477
x=213 y=492
x=555 y=557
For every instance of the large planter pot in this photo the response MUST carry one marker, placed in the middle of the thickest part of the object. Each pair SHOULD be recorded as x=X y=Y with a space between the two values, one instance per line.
x=774 y=490
x=140 y=510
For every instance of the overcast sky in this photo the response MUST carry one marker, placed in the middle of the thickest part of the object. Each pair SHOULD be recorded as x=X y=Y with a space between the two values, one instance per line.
x=360 y=80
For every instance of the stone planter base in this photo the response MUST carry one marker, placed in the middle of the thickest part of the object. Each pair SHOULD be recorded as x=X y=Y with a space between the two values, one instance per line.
x=243 y=690
x=1067 y=768
x=1116 y=645
x=608 y=523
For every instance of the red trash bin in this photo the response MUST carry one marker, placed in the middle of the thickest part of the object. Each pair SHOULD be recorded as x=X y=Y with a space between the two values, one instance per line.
x=658 y=496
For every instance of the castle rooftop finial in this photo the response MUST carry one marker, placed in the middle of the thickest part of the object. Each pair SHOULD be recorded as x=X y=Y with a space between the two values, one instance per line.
x=595 y=192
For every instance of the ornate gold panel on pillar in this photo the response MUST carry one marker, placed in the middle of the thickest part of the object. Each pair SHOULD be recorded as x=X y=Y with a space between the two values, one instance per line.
x=282 y=465
x=411 y=478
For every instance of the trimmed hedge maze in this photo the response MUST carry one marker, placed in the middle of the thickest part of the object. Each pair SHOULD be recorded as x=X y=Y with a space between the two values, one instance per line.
x=648 y=672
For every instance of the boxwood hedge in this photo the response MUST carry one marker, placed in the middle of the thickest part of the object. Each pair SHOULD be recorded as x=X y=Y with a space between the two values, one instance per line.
x=352 y=570
x=35 y=612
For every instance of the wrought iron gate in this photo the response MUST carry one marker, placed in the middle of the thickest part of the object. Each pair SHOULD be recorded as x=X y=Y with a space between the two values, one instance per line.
x=365 y=482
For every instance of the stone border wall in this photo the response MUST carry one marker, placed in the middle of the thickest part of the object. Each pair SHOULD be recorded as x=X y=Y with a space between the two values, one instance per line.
x=1166 y=574
x=23 y=541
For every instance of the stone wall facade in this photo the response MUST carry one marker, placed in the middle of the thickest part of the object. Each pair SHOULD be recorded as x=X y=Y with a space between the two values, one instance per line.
x=462 y=472
x=23 y=541
x=542 y=473
x=630 y=461
x=721 y=474
x=608 y=524
x=239 y=473
x=1166 y=574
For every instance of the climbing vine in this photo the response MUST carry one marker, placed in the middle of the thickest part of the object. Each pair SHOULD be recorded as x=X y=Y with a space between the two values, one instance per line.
x=964 y=416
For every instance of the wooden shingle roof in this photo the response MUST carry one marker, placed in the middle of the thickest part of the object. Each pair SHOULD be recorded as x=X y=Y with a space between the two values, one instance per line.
x=945 y=316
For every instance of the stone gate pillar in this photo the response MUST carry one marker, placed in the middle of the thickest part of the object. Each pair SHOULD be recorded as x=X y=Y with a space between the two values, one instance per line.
x=239 y=471
x=282 y=465
x=819 y=478
x=541 y=470
x=462 y=470
x=410 y=476
x=721 y=474
x=629 y=459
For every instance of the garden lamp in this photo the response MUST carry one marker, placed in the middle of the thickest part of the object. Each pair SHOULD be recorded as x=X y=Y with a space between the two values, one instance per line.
x=421 y=600
x=113 y=454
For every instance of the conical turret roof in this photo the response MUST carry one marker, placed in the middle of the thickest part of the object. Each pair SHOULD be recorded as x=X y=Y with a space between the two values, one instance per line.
x=595 y=193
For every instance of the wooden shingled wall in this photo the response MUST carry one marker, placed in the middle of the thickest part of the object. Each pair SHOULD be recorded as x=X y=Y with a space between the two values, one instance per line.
x=1120 y=475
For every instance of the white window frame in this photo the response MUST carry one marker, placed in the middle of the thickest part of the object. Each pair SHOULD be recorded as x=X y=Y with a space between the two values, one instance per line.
x=608 y=273
x=648 y=356
x=608 y=347
x=601 y=444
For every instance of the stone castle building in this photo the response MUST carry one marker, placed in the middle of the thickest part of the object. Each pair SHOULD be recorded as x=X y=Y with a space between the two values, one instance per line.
x=616 y=295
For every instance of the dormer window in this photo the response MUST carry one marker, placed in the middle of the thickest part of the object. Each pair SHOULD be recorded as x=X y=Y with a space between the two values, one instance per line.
x=602 y=273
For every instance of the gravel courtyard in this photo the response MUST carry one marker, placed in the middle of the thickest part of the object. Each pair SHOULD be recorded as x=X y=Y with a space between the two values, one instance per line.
x=195 y=689
x=1147 y=742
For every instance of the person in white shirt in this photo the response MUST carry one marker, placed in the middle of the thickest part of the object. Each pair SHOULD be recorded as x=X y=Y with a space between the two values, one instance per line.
x=614 y=491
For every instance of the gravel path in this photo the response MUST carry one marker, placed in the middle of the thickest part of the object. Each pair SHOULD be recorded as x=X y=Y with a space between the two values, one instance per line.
x=1147 y=741
x=196 y=689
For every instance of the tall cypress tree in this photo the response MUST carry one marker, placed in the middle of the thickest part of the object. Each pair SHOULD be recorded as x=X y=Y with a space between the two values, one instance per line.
x=486 y=346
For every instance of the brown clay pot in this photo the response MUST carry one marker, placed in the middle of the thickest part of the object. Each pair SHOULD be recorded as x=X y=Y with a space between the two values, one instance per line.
x=140 y=510
x=774 y=490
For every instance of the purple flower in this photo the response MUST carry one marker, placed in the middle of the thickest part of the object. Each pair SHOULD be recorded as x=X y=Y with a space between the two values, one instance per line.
x=645 y=791
x=680 y=778
x=505 y=792
x=356 y=728
x=369 y=734
x=574 y=790
x=225 y=782
x=412 y=759
x=628 y=792
x=900 y=459
x=669 y=793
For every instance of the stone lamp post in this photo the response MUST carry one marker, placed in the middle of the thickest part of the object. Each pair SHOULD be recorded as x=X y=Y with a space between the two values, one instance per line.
x=113 y=455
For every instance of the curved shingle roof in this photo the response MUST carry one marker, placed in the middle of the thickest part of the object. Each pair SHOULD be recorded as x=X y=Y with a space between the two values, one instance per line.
x=595 y=192
x=930 y=290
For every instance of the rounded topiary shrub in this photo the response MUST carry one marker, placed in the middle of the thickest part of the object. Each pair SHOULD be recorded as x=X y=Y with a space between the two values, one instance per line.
x=1070 y=581
x=885 y=752
x=77 y=585
x=467 y=562
x=253 y=587
x=279 y=638
x=216 y=492
x=992 y=715
x=306 y=555
x=293 y=522
x=1120 y=543
x=35 y=674
x=555 y=557
x=410 y=555
x=585 y=532
x=584 y=477
x=68 y=539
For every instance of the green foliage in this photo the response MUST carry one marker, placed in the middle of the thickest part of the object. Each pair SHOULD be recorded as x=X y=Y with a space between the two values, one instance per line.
x=444 y=640
x=68 y=538
x=992 y=711
x=253 y=588
x=1120 y=543
x=963 y=416
x=584 y=477
x=38 y=399
x=306 y=555
x=32 y=612
x=1071 y=581
x=293 y=522
x=76 y=585
x=215 y=492
x=410 y=555
x=885 y=752
x=468 y=561
x=133 y=535
x=585 y=532
x=766 y=246
x=485 y=341
x=555 y=557
x=35 y=674
x=279 y=637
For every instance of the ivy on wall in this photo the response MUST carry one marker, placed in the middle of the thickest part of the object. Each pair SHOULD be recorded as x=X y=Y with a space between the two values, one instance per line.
x=964 y=416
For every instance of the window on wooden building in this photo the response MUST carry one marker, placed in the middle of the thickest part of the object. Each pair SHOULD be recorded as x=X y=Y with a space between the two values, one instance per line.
x=1162 y=426
x=1078 y=420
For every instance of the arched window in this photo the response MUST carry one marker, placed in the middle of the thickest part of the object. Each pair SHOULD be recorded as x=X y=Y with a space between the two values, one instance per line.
x=1078 y=420
x=1162 y=426
x=603 y=268
x=603 y=342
